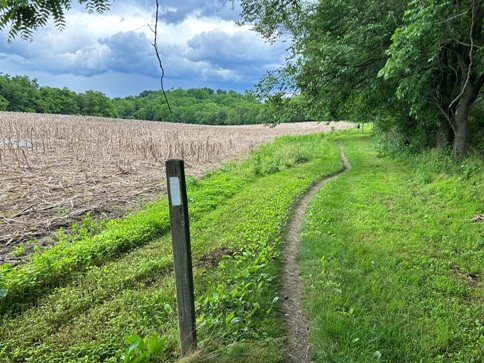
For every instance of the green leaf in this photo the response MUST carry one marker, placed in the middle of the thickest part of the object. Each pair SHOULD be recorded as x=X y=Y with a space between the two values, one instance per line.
x=156 y=344
x=134 y=347
x=229 y=318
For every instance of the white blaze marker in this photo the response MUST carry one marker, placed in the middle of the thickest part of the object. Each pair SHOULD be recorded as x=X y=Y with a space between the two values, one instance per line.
x=175 y=192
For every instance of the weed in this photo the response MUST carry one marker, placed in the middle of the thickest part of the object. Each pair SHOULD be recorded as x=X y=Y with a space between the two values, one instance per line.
x=18 y=250
x=147 y=349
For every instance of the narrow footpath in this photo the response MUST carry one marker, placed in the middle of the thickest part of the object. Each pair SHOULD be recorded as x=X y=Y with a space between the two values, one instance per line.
x=297 y=324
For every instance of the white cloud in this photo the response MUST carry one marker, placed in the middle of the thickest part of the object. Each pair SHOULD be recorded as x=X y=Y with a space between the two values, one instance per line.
x=196 y=44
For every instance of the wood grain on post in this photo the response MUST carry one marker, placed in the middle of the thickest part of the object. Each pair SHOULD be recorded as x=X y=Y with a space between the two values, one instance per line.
x=182 y=255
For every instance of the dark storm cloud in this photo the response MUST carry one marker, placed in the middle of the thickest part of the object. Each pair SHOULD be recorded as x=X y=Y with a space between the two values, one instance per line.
x=199 y=44
x=229 y=50
x=130 y=52
x=175 y=12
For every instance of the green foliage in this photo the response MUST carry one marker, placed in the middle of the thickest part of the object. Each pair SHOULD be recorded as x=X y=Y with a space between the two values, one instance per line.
x=21 y=94
x=437 y=164
x=69 y=257
x=271 y=18
x=337 y=51
x=146 y=349
x=282 y=154
x=425 y=52
x=417 y=41
x=194 y=105
x=3 y=290
x=476 y=130
x=58 y=101
x=413 y=67
x=21 y=18
x=3 y=103
x=95 y=103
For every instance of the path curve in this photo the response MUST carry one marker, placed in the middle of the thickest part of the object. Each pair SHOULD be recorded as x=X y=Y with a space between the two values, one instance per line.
x=297 y=349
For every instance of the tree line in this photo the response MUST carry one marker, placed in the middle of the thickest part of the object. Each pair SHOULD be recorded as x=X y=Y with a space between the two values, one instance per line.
x=414 y=68
x=194 y=105
x=22 y=94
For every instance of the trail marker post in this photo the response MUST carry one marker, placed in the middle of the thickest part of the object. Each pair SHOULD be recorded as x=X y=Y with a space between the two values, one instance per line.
x=182 y=255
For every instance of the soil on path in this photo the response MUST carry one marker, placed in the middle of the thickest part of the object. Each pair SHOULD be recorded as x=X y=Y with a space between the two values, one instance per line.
x=297 y=324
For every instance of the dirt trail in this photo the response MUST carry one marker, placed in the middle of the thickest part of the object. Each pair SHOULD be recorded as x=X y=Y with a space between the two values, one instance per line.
x=297 y=324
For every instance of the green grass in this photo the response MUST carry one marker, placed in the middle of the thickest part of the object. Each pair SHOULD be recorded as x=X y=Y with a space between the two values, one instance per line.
x=393 y=267
x=238 y=213
x=73 y=254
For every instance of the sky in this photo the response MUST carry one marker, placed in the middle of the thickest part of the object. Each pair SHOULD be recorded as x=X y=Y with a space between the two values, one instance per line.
x=199 y=43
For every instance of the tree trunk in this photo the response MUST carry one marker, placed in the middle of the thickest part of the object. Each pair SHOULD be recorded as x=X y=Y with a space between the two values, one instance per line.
x=460 y=120
x=443 y=137
x=473 y=81
x=460 y=136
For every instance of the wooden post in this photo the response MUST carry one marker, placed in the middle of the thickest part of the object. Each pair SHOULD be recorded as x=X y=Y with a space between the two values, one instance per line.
x=182 y=255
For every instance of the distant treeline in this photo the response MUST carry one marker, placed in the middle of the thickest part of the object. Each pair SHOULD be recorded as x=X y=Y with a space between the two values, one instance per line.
x=195 y=105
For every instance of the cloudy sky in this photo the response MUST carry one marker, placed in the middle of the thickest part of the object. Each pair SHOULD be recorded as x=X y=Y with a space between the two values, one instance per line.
x=199 y=43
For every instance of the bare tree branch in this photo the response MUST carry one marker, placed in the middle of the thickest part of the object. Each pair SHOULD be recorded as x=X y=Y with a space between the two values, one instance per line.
x=155 y=45
x=470 y=55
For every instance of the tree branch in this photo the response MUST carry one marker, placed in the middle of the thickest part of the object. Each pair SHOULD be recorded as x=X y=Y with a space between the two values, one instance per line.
x=155 y=45
x=444 y=113
x=471 y=60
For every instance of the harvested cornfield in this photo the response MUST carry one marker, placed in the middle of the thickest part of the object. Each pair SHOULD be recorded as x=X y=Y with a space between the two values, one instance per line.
x=55 y=169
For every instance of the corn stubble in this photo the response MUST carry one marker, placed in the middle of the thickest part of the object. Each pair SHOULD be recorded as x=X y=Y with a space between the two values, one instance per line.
x=54 y=169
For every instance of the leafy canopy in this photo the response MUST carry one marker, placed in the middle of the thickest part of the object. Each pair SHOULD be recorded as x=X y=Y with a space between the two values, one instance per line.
x=415 y=67
x=22 y=17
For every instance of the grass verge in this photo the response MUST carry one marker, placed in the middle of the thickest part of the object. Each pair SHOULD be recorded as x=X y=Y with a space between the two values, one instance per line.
x=393 y=266
x=74 y=254
x=238 y=214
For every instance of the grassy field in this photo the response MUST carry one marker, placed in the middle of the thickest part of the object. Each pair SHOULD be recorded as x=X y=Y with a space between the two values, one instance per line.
x=392 y=266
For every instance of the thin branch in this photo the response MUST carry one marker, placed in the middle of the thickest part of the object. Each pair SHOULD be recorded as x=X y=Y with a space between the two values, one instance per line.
x=155 y=45
x=466 y=44
x=453 y=17
x=445 y=114
x=471 y=60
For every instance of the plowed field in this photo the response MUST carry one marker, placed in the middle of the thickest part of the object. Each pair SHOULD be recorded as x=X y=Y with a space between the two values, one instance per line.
x=55 y=169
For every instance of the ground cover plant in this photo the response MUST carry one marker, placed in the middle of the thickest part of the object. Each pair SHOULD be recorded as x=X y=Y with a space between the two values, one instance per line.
x=113 y=301
x=393 y=264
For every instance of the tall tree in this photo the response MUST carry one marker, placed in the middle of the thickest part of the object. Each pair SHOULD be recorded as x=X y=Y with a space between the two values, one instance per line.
x=21 y=94
x=338 y=48
x=416 y=67
x=58 y=101
x=437 y=59
x=95 y=103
